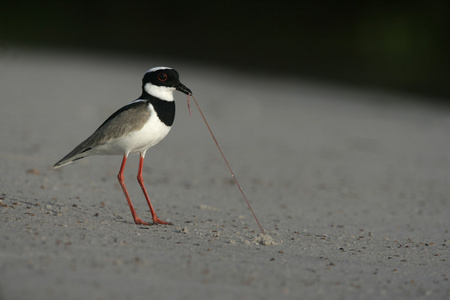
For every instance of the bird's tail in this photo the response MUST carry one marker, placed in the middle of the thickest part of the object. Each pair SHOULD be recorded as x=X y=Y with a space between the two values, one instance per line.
x=70 y=158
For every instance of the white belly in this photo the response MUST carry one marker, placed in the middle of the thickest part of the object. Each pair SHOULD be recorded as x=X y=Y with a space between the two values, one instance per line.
x=138 y=141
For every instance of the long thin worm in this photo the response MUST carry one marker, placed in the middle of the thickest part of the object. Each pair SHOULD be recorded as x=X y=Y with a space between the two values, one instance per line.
x=224 y=158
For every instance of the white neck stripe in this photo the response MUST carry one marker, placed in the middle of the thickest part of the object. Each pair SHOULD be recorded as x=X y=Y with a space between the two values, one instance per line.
x=161 y=92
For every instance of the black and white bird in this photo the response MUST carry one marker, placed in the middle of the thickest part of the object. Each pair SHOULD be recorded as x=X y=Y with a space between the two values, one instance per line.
x=135 y=127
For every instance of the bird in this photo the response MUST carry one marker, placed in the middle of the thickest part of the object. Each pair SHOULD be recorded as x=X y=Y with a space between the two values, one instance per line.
x=135 y=128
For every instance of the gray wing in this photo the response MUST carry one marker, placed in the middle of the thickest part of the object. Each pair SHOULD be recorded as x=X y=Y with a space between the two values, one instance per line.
x=129 y=118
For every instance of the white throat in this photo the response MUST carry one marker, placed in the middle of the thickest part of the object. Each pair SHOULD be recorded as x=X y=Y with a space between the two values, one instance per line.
x=161 y=92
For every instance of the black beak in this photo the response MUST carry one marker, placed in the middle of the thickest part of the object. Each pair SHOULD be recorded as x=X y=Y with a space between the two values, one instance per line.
x=180 y=87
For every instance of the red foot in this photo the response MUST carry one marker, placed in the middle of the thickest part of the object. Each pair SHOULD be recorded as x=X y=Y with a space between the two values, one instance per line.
x=156 y=220
x=138 y=221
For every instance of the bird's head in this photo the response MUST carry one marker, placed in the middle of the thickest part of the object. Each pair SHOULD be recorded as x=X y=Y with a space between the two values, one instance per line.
x=161 y=82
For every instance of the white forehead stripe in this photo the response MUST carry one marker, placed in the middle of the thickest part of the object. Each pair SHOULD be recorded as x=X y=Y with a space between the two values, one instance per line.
x=157 y=69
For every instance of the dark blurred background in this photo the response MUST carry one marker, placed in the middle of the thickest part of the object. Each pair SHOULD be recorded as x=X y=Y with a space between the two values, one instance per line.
x=392 y=45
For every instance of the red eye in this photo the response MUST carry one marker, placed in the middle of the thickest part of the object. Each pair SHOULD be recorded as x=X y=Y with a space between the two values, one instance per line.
x=162 y=76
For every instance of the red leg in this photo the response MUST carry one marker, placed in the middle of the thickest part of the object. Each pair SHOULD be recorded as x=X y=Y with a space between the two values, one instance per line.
x=122 y=184
x=140 y=179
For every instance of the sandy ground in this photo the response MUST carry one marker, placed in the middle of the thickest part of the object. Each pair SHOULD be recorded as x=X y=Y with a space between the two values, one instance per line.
x=352 y=187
